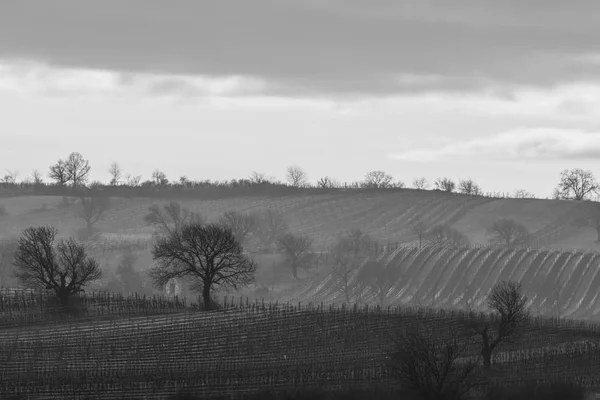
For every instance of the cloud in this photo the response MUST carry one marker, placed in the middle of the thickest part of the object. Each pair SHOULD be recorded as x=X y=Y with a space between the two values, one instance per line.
x=317 y=47
x=525 y=144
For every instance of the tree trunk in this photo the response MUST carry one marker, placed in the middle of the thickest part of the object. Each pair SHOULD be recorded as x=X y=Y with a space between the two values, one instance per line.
x=206 y=296
x=486 y=351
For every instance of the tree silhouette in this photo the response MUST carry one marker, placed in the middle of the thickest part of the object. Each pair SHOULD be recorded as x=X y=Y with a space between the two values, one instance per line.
x=297 y=251
x=207 y=254
x=62 y=267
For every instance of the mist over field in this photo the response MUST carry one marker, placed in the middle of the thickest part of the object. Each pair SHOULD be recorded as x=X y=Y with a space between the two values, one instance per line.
x=299 y=199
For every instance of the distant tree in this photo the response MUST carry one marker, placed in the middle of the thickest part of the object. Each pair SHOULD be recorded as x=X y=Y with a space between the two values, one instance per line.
x=241 y=225
x=171 y=217
x=445 y=184
x=468 y=186
x=270 y=225
x=523 y=194
x=296 y=176
x=349 y=249
x=133 y=181
x=77 y=169
x=508 y=232
x=297 y=251
x=130 y=278
x=420 y=183
x=92 y=208
x=576 y=184
x=10 y=177
x=59 y=173
x=115 y=174
x=159 y=178
x=8 y=247
x=327 y=183
x=376 y=276
x=509 y=303
x=36 y=178
x=62 y=267
x=259 y=178
x=430 y=366
x=184 y=181
x=208 y=254
x=420 y=228
x=445 y=235
x=377 y=179
x=398 y=185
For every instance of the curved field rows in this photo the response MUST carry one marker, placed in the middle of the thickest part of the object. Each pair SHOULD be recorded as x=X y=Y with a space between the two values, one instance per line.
x=449 y=277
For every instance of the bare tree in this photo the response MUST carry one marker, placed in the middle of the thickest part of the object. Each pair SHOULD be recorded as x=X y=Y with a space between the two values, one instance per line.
x=171 y=217
x=509 y=232
x=297 y=251
x=327 y=183
x=63 y=267
x=59 y=173
x=296 y=176
x=508 y=302
x=130 y=278
x=240 y=224
x=77 y=169
x=431 y=366
x=10 y=177
x=208 y=254
x=92 y=209
x=445 y=184
x=576 y=184
x=445 y=235
x=347 y=253
x=159 y=178
x=36 y=178
x=259 y=177
x=133 y=181
x=270 y=225
x=375 y=275
x=420 y=228
x=7 y=253
x=115 y=174
x=398 y=185
x=523 y=194
x=468 y=186
x=420 y=183
x=377 y=179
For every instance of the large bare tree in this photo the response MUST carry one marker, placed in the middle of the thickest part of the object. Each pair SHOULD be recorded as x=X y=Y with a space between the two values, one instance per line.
x=508 y=302
x=271 y=224
x=576 y=184
x=61 y=267
x=58 y=172
x=296 y=176
x=115 y=174
x=207 y=254
x=297 y=251
x=77 y=169
x=378 y=179
x=508 y=232
x=240 y=224
x=171 y=217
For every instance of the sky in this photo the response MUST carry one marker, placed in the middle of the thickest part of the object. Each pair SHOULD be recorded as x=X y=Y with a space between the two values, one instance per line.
x=505 y=93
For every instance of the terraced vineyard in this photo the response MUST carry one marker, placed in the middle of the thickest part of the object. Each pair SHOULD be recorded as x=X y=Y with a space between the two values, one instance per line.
x=452 y=277
x=256 y=346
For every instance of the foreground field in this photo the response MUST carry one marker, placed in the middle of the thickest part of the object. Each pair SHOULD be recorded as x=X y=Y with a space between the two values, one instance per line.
x=240 y=351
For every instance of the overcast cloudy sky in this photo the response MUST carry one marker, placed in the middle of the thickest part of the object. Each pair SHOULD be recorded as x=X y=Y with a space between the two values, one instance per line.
x=505 y=92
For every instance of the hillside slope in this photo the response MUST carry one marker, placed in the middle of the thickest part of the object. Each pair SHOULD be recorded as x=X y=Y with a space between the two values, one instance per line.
x=386 y=215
